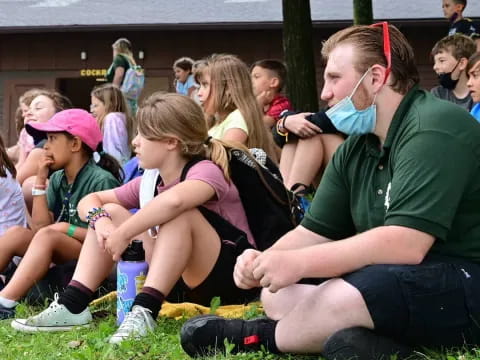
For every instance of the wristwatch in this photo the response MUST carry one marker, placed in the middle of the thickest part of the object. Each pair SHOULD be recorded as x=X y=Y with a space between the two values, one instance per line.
x=37 y=192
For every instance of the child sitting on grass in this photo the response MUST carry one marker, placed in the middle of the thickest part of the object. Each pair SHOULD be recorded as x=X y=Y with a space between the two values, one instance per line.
x=188 y=261
x=57 y=231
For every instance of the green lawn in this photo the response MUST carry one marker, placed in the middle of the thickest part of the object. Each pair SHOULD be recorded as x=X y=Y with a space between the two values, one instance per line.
x=91 y=343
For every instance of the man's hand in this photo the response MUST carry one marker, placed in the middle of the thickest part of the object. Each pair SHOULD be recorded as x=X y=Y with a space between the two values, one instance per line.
x=243 y=271
x=300 y=126
x=276 y=269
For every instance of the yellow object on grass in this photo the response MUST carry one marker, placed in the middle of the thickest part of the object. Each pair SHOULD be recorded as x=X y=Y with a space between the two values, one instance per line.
x=186 y=309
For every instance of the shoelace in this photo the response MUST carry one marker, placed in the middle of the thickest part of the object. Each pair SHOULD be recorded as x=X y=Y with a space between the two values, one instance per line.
x=45 y=313
x=134 y=320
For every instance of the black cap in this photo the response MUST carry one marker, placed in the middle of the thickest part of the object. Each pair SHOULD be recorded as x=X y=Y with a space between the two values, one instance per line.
x=134 y=252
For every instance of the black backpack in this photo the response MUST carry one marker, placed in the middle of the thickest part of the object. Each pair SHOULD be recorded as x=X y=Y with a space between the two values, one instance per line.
x=271 y=209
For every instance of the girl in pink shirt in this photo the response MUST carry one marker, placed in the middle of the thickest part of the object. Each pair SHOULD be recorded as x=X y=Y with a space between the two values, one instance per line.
x=188 y=261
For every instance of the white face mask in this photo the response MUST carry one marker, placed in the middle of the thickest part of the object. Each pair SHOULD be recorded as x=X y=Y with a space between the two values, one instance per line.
x=347 y=119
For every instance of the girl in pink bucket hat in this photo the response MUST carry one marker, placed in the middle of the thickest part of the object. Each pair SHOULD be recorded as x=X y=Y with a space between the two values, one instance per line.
x=57 y=232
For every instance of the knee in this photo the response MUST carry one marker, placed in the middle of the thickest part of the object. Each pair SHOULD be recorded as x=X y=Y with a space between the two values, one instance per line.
x=114 y=209
x=272 y=304
x=46 y=235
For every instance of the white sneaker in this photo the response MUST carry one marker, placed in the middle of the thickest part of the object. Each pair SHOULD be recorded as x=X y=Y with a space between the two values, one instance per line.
x=54 y=318
x=135 y=325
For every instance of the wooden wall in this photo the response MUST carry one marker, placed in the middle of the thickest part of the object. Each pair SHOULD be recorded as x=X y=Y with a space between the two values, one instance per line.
x=53 y=58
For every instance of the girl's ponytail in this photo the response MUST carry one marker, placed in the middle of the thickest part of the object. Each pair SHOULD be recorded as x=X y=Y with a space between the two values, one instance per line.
x=109 y=163
x=218 y=152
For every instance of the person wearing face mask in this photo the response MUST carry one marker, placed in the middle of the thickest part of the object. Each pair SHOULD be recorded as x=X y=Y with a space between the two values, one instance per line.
x=387 y=258
x=450 y=56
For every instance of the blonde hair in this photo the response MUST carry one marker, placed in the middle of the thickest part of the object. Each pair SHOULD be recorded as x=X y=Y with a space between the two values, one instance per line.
x=112 y=97
x=124 y=46
x=231 y=89
x=164 y=115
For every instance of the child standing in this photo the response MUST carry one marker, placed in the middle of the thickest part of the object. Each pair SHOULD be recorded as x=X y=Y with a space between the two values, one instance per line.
x=109 y=107
x=453 y=11
x=57 y=231
x=226 y=94
x=186 y=253
x=12 y=206
x=450 y=56
x=184 y=81
x=268 y=79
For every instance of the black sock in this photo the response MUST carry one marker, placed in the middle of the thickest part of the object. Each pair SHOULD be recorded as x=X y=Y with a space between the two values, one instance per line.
x=151 y=299
x=76 y=297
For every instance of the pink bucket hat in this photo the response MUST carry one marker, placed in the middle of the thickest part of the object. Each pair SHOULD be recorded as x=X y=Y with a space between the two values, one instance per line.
x=76 y=122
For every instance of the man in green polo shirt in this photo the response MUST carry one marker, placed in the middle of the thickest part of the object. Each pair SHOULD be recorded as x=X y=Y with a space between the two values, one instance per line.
x=388 y=255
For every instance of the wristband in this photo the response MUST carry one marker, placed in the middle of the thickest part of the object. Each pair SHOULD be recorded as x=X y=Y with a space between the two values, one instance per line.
x=37 y=192
x=71 y=230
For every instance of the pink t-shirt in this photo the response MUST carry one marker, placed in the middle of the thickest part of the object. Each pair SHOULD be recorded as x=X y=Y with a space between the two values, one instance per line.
x=227 y=202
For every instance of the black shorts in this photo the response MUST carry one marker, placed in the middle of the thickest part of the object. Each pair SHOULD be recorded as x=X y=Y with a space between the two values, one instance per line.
x=218 y=283
x=434 y=304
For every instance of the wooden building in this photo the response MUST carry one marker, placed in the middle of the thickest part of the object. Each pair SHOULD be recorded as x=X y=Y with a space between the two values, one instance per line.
x=66 y=44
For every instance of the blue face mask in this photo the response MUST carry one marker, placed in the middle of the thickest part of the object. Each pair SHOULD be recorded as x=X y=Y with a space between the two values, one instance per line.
x=351 y=121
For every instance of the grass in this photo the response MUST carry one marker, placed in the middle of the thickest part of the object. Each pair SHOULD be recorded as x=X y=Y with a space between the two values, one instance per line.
x=87 y=344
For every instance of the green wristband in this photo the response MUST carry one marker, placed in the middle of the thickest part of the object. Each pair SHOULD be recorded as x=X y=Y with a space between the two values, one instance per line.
x=71 y=230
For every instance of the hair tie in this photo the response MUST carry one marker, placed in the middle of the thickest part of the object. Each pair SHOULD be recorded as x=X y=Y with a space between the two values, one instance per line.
x=207 y=141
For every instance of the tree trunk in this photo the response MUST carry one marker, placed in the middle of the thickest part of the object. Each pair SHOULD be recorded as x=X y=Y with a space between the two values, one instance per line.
x=299 y=56
x=362 y=12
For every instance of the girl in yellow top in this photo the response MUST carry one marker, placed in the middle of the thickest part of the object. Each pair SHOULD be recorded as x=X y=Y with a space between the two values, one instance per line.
x=226 y=94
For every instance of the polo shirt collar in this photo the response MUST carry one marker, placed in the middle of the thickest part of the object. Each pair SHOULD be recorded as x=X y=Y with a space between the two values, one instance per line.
x=372 y=140
x=88 y=164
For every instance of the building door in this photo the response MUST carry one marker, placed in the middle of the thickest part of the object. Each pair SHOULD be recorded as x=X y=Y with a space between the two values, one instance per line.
x=13 y=89
x=78 y=90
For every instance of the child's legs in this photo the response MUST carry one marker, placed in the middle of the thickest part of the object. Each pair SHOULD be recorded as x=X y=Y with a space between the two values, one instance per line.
x=186 y=247
x=47 y=246
x=94 y=264
x=330 y=144
x=286 y=159
x=14 y=242
x=306 y=162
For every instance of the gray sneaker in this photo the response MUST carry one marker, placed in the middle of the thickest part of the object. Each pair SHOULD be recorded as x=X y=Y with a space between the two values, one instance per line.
x=54 y=318
x=135 y=325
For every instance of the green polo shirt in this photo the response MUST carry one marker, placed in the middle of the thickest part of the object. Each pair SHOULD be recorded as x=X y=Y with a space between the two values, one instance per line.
x=118 y=61
x=63 y=198
x=426 y=177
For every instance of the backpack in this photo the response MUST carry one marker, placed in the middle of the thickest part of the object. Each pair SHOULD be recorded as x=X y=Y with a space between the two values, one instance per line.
x=133 y=82
x=271 y=209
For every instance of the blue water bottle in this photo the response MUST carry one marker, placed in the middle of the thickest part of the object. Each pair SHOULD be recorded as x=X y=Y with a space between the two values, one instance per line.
x=131 y=273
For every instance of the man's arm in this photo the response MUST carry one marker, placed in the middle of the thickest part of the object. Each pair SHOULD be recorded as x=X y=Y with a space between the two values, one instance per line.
x=382 y=245
x=298 y=238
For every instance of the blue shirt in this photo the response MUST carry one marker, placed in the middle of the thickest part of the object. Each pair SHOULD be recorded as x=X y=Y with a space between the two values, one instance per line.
x=182 y=88
x=476 y=111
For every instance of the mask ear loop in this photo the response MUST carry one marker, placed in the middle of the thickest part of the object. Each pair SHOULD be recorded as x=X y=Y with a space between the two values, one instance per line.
x=359 y=82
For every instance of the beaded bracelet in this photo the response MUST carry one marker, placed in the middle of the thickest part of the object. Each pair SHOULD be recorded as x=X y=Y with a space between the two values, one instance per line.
x=94 y=214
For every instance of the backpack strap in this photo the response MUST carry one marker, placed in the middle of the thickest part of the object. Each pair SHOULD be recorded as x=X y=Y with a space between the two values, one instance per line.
x=189 y=165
